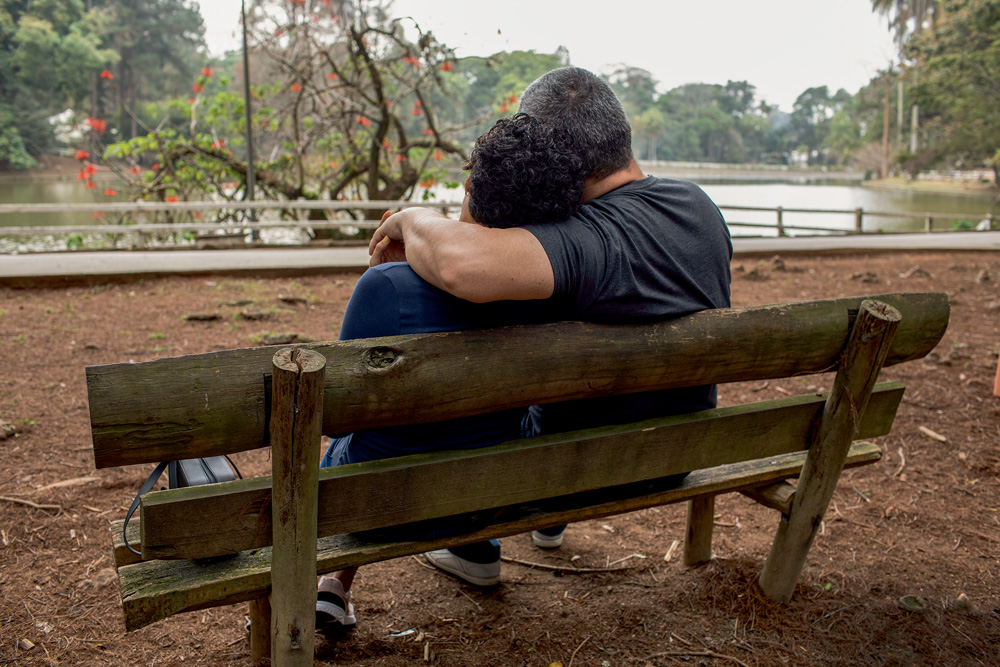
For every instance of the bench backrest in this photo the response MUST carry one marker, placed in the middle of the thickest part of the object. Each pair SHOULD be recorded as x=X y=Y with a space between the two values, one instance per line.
x=219 y=403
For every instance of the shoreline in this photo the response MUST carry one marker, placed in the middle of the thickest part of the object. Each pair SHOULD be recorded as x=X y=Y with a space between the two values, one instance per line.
x=942 y=186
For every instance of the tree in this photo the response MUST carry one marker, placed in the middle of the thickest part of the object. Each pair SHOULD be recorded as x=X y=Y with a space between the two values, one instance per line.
x=48 y=49
x=906 y=17
x=160 y=44
x=344 y=108
x=959 y=88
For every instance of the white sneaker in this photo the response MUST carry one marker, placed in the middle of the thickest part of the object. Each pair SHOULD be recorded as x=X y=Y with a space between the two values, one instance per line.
x=479 y=574
x=333 y=604
x=546 y=541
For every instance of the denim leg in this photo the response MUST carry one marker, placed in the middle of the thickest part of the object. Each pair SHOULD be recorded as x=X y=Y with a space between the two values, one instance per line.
x=336 y=453
x=480 y=552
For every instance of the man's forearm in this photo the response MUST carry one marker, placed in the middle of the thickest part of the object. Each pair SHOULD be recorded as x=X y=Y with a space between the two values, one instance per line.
x=470 y=261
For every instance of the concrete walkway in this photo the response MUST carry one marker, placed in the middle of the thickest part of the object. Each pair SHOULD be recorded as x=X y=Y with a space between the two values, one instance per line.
x=93 y=266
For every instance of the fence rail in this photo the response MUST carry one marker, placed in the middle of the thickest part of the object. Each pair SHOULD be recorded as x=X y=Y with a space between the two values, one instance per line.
x=301 y=221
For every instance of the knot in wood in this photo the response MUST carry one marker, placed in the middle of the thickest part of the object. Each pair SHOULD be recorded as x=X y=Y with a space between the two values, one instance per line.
x=380 y=358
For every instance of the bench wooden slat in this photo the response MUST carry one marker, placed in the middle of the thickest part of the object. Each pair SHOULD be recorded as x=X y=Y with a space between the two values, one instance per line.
x=408 y=489
x=211 y=404
x=156 y=589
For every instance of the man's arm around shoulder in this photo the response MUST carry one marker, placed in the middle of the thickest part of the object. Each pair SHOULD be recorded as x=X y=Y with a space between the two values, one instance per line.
x=467 y=260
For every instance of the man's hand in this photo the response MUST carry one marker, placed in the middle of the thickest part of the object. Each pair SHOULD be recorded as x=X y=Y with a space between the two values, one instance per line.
x=383 y=247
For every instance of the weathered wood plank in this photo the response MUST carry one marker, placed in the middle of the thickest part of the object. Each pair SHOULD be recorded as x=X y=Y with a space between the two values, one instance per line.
x=296 y=415
x=777 y=496
x=234 y=517
x=866 y=351
x=154 y=590
x=210 y=404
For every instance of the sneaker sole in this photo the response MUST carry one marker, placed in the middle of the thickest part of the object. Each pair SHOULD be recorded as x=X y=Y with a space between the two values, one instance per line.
x=464 y=576
x=546 y=541
x=328 y=614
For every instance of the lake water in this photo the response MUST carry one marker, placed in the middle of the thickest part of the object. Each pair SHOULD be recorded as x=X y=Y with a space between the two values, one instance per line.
x=846 y=197
x=762 y=193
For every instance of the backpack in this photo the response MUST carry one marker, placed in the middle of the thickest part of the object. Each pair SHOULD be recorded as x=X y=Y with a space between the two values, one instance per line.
x=184 y=473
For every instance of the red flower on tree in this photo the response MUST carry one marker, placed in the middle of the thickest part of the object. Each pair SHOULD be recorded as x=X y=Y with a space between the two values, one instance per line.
x=413 y=61
x=81 y=155
x=89 y=185
x=171 y=199
x=198 y=88
x=90 y=169
x=135 y=170
x=438 y=155
x=96 y=124
x=512 y=99
x=105 y=74
x=207 y=71
x=110 y=192
x=428 y=130
x=446 y=66
x=97 y=215
x=219 y=143
x=363 y=121
x=295 y=87
x=331 y=76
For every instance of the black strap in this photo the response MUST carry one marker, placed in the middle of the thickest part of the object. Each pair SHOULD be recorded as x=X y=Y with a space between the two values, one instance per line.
x=146 y=486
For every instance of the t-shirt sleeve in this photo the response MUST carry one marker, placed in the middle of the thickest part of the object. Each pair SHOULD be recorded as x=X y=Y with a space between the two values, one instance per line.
x=373 y=309
x=579 y=261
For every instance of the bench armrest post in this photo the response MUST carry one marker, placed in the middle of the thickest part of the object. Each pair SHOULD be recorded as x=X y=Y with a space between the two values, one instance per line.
x=858 y=370
x=296 y=424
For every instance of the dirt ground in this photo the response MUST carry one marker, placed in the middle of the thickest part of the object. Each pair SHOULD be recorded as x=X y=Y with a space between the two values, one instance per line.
x=925 y=521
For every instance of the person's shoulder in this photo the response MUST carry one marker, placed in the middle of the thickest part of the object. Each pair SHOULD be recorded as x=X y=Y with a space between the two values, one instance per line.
x=401 y=279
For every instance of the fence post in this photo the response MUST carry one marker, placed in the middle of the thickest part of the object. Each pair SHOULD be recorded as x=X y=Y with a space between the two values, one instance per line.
x=989 y=222
x=927 y=223
x=781 y=224
x=296 y=423
x=858 y=213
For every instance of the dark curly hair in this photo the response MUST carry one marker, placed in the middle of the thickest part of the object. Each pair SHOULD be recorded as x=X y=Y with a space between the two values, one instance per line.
x=523 y=171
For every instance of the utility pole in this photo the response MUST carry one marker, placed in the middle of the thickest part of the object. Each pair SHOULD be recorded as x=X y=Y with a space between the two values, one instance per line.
x=885 y=126
x=914 y=119
x=899 y=112
x=251 y=176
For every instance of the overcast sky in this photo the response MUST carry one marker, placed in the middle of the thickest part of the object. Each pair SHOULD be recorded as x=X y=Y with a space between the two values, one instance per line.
x=780 y=46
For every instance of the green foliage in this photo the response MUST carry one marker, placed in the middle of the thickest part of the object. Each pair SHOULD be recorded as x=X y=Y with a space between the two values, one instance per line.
x=342 y=109
x=958 y=74
x=74 y=242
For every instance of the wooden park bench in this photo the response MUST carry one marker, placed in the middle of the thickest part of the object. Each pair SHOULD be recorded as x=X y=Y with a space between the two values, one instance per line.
x=230 y=401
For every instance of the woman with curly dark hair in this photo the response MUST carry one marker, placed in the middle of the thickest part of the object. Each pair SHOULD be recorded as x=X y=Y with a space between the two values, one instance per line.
x=523 y=172
x=520 y=171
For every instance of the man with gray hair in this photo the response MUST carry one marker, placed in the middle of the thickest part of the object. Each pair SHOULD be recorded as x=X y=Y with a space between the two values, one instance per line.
x=640 y=248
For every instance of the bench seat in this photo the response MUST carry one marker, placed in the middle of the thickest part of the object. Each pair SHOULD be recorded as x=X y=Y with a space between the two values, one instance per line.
x=153 y=590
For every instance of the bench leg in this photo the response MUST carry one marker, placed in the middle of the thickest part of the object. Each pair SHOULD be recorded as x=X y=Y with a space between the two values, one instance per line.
x=863 y=357
x=260 y=631
x=700 y=521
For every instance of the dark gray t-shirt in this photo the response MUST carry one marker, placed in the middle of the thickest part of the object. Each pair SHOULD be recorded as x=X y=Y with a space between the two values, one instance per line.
x=652 y=249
